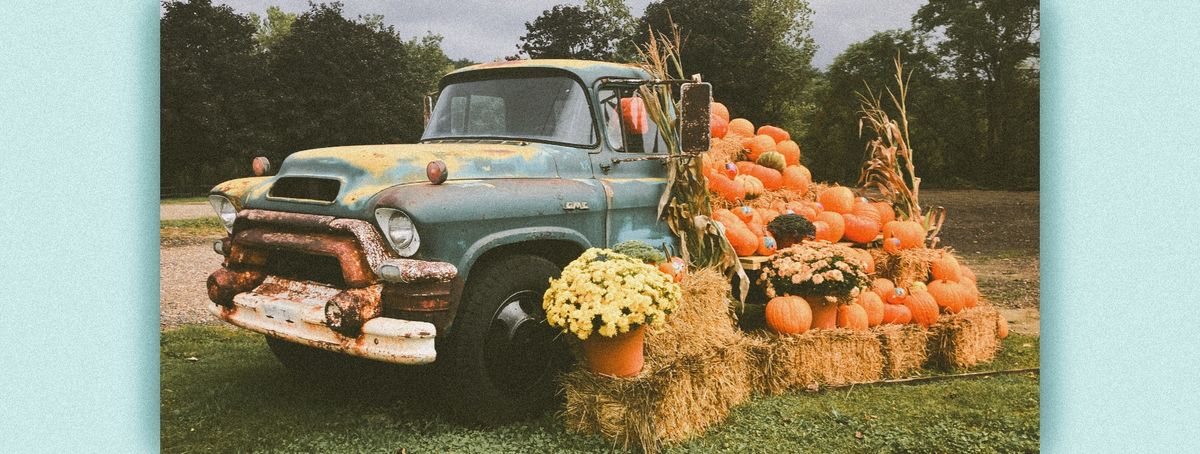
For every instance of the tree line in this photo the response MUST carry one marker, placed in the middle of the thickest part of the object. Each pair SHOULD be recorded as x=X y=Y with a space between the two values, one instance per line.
x=236 y=86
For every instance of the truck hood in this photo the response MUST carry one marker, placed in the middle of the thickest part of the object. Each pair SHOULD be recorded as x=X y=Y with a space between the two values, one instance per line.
x=366 y=170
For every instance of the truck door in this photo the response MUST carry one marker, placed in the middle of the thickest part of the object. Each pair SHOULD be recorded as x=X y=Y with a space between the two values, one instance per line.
x=633 y=187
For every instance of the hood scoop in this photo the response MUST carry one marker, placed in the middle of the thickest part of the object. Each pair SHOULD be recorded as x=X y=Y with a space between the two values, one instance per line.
x=306 y=188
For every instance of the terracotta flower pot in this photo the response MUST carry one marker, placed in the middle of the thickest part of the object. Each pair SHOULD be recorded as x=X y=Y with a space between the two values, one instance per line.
x=824 y=313
x=619 y=356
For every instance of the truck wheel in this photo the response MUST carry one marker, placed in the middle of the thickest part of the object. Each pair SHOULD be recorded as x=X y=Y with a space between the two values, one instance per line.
x=308 y=361
x=504 y=358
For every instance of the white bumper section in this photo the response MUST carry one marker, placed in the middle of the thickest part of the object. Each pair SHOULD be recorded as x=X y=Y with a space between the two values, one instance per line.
x=296 y=312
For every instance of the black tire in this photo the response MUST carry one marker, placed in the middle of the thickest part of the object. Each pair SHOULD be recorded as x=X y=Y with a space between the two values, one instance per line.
x=311 y=362
x=504 y=359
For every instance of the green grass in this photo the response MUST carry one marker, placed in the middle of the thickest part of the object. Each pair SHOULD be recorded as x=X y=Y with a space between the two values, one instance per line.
x=236 y=397
x=189 y=231
x=183 y=200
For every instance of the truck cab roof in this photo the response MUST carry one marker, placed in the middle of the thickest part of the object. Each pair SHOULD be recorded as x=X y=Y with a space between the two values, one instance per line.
x=588 y=71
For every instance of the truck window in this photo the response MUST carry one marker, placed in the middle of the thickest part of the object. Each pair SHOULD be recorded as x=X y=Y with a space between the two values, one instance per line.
x=628 y=127
x=545 y=109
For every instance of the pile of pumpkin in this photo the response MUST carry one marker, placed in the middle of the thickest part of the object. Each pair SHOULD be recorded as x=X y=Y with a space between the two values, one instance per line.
x=770 y=162
x=951 y=289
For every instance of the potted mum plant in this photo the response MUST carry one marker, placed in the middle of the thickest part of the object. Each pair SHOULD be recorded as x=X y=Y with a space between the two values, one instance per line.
x=606 y=300
x=822 y=273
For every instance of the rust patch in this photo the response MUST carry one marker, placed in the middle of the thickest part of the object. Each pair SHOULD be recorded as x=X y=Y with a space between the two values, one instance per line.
x=224 y=284
x=356 y=270
x=346 y=312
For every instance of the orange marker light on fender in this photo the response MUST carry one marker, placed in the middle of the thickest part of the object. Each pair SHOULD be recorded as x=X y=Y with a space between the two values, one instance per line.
x=260 y=165
x=436 y=171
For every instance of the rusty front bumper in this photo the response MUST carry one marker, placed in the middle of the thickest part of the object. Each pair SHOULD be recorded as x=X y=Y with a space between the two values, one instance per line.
x=295 y=311
x=352 y=295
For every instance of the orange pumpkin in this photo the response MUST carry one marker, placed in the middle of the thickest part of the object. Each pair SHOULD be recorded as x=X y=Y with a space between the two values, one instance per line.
x=852 y=316
x=824 y=312
x=910 y=234
x=741 y=127
x=873 y=305
x=886 y=213
x=790 y=151
x=883 y=287
x=771 y=178
x=897 y=296
x=719 y=110
x=775 y=133
x=923 y=307
x=743 y=241
x=717 y=126
x=726 y=188
x=891 y=245
x=745 y=212
x=797 y=178
x=967 y=273
x=946 y=268
x=789 y=315
x=837 y=226
x=767 y=245
x=767 y=215
x=761 y=144
x=949 y=295
x=896 y=314
x=633 y=114
x=837 y=199
x=750 y=186
x=744 y=167
x=862 y=223
x=1001 y=327
x=674 y=267
x=971 y=294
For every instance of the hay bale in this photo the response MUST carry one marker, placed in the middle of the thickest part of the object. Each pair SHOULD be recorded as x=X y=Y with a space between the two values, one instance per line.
x=964 y=339
x=903 y=348
x=667 y=402
x=695 y=372
x=702 y=321
x=834 y=357
x=906 y=266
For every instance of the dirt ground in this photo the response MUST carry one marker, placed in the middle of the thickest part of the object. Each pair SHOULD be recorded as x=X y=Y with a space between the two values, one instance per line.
x=168 y=212
x=995 y=232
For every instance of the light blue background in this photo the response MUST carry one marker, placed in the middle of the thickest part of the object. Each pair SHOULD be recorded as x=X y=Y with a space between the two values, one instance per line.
x=79 y=183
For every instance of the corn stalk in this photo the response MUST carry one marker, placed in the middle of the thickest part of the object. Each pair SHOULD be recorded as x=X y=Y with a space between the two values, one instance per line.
x=685 y=204
x=889 y=167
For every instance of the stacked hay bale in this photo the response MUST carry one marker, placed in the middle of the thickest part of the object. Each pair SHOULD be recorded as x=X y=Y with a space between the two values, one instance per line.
x=830 y=357
x=906 y=266
x=903 y=349
x=964 y=339
x=695 y=372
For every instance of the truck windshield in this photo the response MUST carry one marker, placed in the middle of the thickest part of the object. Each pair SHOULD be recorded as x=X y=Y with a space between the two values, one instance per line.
x=541 y=109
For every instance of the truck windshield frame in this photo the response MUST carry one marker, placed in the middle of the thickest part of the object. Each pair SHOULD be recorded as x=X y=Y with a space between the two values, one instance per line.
x=535 y=106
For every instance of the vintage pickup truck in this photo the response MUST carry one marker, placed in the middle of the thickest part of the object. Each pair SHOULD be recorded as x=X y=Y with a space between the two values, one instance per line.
x=443 y=249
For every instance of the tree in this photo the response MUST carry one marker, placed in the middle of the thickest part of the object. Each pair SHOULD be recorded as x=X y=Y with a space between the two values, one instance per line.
x=598 y=30
x=276 y=26
x=210 y=103
x=992 y=48
x=834 y=149
x=756 y=53
x=341 y=82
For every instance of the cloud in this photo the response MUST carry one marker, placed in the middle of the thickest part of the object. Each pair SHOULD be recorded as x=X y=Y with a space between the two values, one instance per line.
x=483 y=30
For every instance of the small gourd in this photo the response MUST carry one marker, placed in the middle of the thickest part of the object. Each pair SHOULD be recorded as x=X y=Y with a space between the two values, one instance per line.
x=773 y=160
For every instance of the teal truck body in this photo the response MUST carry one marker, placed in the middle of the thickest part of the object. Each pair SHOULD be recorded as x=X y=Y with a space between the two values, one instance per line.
x=363 y=251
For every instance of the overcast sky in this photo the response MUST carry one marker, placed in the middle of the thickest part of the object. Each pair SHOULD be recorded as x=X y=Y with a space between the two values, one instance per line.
x=483 y=30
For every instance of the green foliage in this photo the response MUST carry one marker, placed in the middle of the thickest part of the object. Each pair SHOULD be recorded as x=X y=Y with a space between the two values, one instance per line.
x=211 y=98
x=639 y=250
x=991 y=49
x=234 y=396
x=272 y=30
x=235 y=87
x=597 y=30
x=756 y=53
x=339 y=81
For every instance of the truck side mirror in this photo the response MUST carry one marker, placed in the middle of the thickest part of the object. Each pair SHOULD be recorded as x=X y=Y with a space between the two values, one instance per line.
x=426 y=110
x=695 y=106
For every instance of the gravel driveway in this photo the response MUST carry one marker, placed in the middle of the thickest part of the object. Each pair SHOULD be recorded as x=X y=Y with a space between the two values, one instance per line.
x=168 y=212
x=182 y=275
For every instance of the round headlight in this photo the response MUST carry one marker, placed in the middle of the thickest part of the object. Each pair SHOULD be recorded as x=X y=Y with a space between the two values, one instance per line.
x=225 y=210
x=400 y=231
